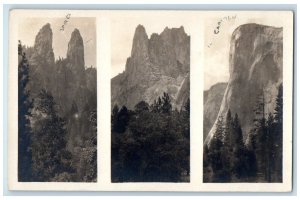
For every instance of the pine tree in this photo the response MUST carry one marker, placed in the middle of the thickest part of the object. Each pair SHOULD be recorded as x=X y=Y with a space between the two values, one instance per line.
x=215 y=149
x=186 y=119
x=141 y=107
x=278 y=132
x=270 y=148
x=184 y=127
x=187 y=106
x=24 y=128
x=166 y=104
x=250 y=158
x=51 y=160
x=207 y=172
x=155 y=145
x=260 y=132
x=228 y=145
x=122 y=120
x=279 y=106
x=239 y=162
x=114 y=118
x=156 y=106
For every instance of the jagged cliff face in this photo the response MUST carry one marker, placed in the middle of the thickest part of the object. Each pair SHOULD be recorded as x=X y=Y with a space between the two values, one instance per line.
x=156 y=65
x=72 y=86
x=255 y=71
x=211 y=105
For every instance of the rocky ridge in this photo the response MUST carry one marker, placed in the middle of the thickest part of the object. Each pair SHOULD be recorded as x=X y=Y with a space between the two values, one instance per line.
x=70 y=83
x=157 y=64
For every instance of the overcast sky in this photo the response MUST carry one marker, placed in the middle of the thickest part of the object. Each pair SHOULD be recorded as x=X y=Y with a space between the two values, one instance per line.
x=29 y=28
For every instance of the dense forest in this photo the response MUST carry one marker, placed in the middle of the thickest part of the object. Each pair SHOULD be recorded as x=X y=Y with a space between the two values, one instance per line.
x=258 y=158
x=43 y=155
x=151 y=143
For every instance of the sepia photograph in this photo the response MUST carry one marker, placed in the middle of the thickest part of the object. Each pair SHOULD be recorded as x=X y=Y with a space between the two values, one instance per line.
x=57 y=100
x=150 y=99
x=243 y=102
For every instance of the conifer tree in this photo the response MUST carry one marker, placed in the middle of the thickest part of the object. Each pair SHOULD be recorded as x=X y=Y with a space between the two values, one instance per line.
x=50 y=157
x=239 y=170
x=186 y=118
x=24 y=114
x=278 y=133
x=166 y=104
x=259 y=131
x=228 y=145
x=206 y=164
x=122 y=120
x=215 y=148
x=270 y=148
x=114 y=118
x=141 y=107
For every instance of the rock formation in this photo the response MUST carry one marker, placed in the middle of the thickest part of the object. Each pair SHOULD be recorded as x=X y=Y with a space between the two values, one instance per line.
x=72 y=86
x=255 y=70
x=156 y=65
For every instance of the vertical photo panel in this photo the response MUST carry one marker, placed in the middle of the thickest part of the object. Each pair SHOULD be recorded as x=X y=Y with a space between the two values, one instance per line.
x=150 y=99
x=243 y=102
x=57 y=100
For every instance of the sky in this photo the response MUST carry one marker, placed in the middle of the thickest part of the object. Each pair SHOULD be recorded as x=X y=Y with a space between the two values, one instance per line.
x=29 y=28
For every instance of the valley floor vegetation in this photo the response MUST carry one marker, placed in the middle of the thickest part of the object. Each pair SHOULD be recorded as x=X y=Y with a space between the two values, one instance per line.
x=151 y=143
x=258 y=158
x=43 y=155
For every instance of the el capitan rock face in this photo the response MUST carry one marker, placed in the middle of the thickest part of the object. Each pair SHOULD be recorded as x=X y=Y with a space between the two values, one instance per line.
x=255 y=70
x=156 y=65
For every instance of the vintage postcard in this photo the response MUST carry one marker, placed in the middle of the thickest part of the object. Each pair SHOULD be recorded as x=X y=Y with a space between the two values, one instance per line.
x=107 y=100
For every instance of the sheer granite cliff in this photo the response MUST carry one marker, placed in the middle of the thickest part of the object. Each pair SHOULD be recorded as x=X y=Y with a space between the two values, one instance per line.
x=255 y=64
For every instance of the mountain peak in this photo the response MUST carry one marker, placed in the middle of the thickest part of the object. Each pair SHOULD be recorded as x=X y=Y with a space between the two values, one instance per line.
x=75 y=53
x=76 y=33
x=140 y=42
x=140 y=28
x=43 y=41
x=179 y=30
x=46 y=27
x=43 y=46
x=140 y=32
x=45 y=31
